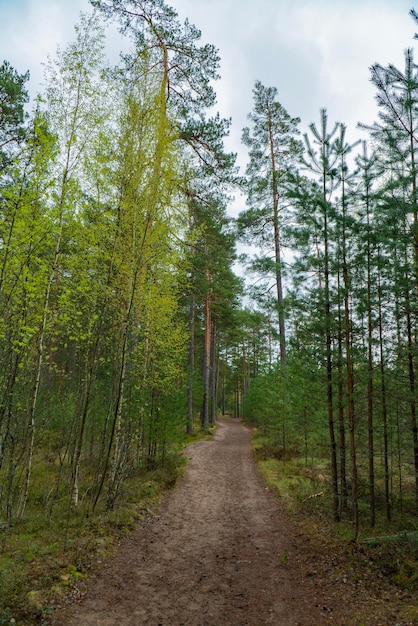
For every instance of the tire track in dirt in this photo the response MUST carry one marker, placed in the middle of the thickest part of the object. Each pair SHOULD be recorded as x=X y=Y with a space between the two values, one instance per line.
x=221 y=553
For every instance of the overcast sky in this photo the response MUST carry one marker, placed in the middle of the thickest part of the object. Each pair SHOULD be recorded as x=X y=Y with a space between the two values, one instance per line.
x=317 y=53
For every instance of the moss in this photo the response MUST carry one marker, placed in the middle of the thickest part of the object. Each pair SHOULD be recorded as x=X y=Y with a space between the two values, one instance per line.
x=35 y=599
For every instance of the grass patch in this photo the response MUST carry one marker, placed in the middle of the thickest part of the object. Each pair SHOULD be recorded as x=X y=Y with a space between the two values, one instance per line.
x=388 y=552
x=291 y=484
x=295 y=481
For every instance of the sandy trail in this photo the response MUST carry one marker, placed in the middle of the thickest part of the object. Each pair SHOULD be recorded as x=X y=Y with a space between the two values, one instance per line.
x=221 y=553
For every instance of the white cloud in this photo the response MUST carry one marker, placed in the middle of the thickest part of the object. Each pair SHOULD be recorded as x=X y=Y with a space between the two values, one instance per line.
x=32 y=29
x=316 y=52
x=347 y=38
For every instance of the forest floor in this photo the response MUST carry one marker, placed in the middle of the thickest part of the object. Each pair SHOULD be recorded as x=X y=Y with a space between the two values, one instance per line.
x=222 y=552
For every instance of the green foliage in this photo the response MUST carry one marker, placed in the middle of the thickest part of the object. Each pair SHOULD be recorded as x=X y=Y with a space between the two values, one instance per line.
x=13 y=97
x=93 y=266
x=116 y=267
x=349 y=385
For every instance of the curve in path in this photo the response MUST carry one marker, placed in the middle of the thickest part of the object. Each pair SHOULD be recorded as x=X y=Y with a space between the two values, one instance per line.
x=218 y=554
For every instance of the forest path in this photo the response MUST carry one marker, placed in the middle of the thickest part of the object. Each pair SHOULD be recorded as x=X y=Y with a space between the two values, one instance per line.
x=221 y=553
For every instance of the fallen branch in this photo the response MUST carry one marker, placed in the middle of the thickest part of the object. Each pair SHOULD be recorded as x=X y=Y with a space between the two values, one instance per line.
x=314 y=495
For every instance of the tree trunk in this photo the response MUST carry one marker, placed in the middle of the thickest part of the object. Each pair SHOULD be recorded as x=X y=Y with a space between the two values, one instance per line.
x=329 y=376
x=412 y=390
x=370 y=368
x=277 y=252
x=341 y=416
x=350 y=407
x=384 y=409
x=213 y=377
x=190 y=367
x=206 y=364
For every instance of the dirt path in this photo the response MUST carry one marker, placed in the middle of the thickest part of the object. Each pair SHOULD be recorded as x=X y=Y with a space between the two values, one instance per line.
x=221 y=553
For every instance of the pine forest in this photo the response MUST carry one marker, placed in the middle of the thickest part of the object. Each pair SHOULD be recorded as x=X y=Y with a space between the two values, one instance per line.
x=135 y=309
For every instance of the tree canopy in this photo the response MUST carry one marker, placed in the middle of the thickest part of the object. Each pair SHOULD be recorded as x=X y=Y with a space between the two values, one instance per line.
x=125 y=316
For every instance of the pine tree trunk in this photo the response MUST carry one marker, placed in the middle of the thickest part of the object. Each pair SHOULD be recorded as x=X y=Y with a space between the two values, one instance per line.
x=412 y=390
x=410 y=330
x=206 y=364
x=370 y=368
x=341 y=418
x=277 y=252
x=350 y=407
x=384 y=409
x=190 y=367
x=213 y=377
x=329 y=376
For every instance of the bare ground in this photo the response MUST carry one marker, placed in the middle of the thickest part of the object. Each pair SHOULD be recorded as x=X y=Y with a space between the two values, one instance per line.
x=221 y=553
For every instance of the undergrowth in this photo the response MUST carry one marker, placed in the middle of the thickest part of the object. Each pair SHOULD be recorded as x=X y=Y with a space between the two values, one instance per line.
x=388 y=552
x=43 y=558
